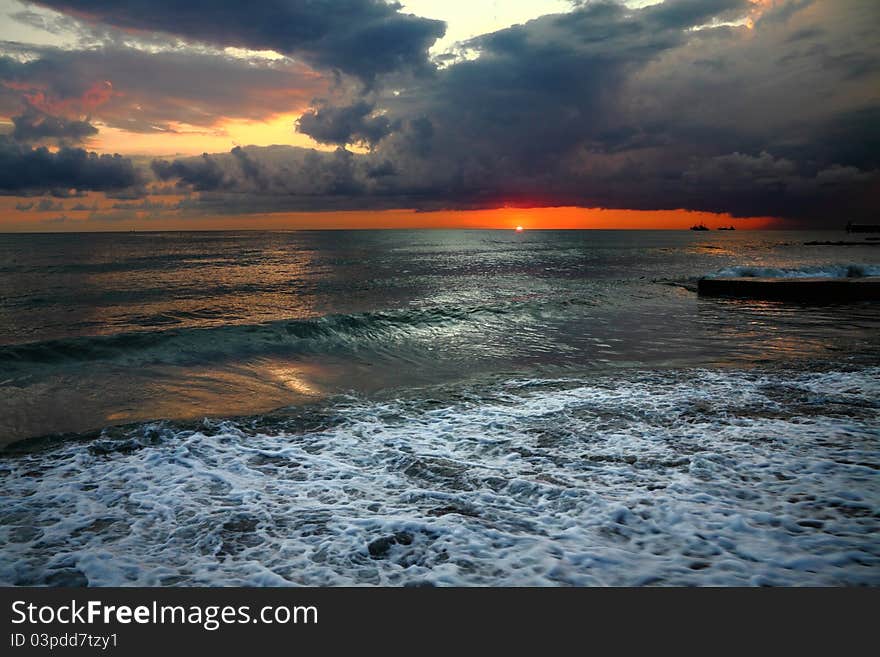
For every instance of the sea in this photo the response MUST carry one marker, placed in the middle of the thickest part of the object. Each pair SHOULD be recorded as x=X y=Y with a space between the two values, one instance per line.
x=448 y=408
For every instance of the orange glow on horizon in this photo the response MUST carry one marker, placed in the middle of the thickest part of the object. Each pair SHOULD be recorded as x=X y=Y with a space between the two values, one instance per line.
x=95 y=212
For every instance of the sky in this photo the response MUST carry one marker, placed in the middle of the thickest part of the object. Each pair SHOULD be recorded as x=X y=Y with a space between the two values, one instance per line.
x=162 y=115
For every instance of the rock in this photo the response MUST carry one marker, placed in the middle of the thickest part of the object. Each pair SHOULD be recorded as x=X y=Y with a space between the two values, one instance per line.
x=241 y=524
x=444 y=510
x=379 y=547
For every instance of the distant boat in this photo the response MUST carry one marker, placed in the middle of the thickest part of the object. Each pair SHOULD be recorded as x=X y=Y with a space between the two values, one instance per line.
x=699 y=227
x=727 y=228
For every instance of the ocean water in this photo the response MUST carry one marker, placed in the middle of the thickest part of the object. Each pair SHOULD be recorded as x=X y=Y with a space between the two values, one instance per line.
x=433 y=407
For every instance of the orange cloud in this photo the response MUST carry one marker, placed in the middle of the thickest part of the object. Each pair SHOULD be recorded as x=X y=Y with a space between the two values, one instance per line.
x=37 y=96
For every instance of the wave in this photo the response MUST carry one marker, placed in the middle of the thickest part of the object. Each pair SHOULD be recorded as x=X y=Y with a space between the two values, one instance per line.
x=329 y=333
x=724 y=477
x=826 y=271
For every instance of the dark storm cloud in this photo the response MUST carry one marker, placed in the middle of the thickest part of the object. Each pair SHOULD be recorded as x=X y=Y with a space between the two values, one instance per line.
x=26 y=170
x=34 y=126
x=656 y=109
x=57 y=86
x=250 y=169
x=202 y=173
x=676 y=105
x=683 y=14
x=269 y=171
x=352 y=124
x=360 y=37
x=764 y=184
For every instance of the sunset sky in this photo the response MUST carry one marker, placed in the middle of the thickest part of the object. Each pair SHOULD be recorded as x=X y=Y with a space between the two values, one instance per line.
x=159 y=114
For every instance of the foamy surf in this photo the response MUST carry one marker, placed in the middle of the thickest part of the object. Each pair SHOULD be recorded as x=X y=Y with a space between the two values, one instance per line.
x=724 y=477
x=817 y=271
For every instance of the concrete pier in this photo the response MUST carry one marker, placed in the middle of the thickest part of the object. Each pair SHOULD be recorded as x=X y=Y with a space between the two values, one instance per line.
x=819 y=290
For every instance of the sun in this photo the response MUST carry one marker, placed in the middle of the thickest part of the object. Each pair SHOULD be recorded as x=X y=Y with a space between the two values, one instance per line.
x=519 y=229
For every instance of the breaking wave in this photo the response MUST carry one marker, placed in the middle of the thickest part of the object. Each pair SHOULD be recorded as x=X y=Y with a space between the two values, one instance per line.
x=827 y=271
x=655 y=477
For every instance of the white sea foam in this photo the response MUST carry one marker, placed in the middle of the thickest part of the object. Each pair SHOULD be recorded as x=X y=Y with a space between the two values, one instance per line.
x=697 y=477
x=819 y=271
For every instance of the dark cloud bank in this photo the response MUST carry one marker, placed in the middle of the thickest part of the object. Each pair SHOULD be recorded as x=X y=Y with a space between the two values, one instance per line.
x=365 y=38
x=24 y=170
x=677 y=105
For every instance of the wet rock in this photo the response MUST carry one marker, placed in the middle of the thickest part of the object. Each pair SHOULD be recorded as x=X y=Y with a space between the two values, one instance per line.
x=380 y=547
x=237 y=534
x=610 y=458
x=435 y=469
x=95 y=527
x=243 y=524
x=445 y=510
